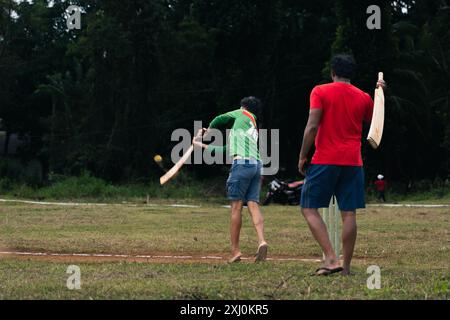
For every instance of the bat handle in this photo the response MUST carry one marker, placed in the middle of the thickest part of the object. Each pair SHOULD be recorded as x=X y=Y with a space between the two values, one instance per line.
x=380 y=76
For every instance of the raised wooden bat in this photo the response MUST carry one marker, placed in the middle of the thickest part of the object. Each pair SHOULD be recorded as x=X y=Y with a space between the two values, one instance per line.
x=376 y=127
x=173 y=171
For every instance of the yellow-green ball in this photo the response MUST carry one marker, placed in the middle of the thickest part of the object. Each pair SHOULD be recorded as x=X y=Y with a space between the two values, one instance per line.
x=157 y=158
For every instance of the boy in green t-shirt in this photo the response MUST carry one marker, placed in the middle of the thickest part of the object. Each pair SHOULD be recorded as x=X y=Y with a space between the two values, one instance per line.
x=244 y=181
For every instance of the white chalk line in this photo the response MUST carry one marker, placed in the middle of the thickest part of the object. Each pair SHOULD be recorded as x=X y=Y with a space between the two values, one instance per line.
x=410 y=205
x=97 y=204
x=53 y=203
x=126 y=256
x=198 y=206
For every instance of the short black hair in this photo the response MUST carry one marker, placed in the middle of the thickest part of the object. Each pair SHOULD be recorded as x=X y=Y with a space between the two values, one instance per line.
x=252 y=104
x=343 y=65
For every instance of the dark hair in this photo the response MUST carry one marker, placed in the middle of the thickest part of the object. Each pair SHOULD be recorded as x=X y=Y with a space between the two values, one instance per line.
x=252 y=104
x=343 y=65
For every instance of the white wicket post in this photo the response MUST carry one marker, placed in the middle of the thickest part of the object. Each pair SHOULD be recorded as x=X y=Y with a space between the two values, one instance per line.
x=332 y=218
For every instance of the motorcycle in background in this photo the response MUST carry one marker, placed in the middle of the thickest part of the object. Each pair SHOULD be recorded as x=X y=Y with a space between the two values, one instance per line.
x=283 y=192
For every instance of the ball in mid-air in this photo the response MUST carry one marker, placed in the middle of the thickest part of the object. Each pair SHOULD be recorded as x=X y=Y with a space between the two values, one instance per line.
x=157 y=158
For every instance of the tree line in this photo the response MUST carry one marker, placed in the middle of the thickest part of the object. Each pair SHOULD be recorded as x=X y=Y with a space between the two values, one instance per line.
x=106 y=98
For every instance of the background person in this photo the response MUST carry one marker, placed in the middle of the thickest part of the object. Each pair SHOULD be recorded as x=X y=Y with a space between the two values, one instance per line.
x=380 y=185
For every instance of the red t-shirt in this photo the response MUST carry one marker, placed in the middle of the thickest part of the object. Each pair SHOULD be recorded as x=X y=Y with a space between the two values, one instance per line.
x=380 y=185
x=345 y=107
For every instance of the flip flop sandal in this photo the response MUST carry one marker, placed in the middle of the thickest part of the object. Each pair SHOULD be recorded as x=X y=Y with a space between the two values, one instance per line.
x=261 y=254
x=327 y=271
x=235 y=259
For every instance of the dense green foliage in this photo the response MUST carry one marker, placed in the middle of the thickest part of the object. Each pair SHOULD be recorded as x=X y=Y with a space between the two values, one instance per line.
x=107 y=97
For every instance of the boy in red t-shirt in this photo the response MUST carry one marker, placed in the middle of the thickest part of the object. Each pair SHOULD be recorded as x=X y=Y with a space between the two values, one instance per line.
x=380 y=185
x=337 y=113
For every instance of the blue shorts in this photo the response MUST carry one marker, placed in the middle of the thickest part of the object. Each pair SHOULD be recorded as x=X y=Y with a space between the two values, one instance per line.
x=324 y=181
x=244 y=181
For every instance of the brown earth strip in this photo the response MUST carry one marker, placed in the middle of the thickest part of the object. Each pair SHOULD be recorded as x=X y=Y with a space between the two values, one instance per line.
x=154 y=258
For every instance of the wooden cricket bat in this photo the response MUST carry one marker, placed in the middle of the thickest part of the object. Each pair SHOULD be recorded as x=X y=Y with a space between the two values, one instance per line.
x=173 y=171
x=376 y=127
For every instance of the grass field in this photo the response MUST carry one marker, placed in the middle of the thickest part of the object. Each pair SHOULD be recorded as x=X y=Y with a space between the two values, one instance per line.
x=410 y=245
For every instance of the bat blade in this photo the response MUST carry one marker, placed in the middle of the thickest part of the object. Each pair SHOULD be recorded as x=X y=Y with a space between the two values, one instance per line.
x=173 y=171
x=376 y=127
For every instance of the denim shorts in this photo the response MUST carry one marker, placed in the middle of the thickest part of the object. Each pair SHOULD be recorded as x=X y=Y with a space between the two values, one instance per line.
x=244 y=181
x=324 y=181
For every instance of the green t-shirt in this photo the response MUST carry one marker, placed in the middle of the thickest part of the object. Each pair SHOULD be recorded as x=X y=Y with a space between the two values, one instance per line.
x=243 y=140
